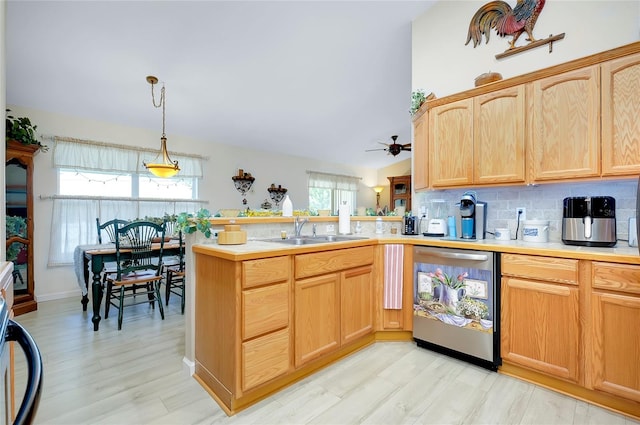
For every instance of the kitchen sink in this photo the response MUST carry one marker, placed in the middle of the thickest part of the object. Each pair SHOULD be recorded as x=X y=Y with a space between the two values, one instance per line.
x=308 y=240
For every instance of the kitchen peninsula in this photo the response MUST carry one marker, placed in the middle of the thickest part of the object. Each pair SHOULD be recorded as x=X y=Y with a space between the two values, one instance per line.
x=269 y=314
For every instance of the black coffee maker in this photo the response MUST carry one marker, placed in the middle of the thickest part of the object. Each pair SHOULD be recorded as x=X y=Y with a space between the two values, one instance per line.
x=410 y=225
x=471 y=217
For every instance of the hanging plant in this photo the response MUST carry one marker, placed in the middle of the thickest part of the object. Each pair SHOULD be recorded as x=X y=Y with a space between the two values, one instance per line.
x=21 y=130
x=190 y=223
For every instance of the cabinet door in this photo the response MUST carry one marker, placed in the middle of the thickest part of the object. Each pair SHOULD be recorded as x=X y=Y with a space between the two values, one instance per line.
x=420 y=149
x=265 y=358
x=451 y=144
x=499 y=137
x=620 y=112
x=265 y=309
x=616 y=343
x=565 y=125
x=317 y=317
x=356 y=303
x=541 y=327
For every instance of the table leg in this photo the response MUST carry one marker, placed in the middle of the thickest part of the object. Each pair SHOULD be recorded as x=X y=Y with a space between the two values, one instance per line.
x=96 y=290
x=85 y=298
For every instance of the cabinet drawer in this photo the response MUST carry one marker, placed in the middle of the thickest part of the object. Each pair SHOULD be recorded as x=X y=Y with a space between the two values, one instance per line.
x=265 y=358
x=265 y=271
x=332 y=261
x=265 y=309
x=551 y=269
x=616 y=277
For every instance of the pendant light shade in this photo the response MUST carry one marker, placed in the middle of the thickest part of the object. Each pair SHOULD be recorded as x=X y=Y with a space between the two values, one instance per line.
x=167 y=168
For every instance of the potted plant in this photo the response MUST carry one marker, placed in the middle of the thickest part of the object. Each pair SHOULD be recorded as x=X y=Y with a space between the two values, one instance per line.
x=190 y=223
x=22 y=131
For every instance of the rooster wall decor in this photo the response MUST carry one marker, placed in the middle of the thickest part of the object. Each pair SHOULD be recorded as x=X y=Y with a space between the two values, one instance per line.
x=506 y=21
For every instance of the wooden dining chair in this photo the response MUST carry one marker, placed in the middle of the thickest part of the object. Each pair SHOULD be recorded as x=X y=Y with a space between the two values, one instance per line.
x=139 y=266
x=175 y=276
x=109 y=228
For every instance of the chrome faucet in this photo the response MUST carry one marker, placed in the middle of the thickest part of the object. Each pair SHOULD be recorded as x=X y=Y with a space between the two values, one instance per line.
x=297 y=225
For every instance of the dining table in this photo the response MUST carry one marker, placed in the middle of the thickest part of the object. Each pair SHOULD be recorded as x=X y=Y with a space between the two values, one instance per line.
x=89 y=261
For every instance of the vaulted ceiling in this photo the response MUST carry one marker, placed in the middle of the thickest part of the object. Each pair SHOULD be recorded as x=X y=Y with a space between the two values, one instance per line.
x=318 y=79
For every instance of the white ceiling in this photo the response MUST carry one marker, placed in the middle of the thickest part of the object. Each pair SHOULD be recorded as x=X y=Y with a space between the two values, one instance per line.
x=317 y=79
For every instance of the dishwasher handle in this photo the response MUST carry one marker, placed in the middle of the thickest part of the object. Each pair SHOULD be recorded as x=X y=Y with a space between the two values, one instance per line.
x=455 y=255
x=27 y=411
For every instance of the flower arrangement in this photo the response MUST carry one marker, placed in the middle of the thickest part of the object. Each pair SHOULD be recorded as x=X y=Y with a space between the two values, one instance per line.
x=442 y=278
x=471 y=308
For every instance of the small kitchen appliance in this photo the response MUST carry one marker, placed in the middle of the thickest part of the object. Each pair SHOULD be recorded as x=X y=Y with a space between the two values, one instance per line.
x=410 y=225
x=471 y=217
x=589 y=221
x=438 y=222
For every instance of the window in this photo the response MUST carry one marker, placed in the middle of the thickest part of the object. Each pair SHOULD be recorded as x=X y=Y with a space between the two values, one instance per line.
x=327 y=191
x=98 y=180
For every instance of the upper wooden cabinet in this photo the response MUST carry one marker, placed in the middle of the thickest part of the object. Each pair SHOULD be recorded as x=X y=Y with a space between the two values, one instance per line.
x=565 y=125
x=620 y=112
x=499 y=136
x=451 y=144
x=572 y=121
x=420 y=153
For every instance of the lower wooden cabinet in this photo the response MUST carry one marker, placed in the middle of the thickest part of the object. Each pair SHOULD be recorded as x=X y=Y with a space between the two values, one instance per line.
x=265 y=358
x=356 y=303
x=540 y=317
x=317 y=317
x=541 y=326
x=615 y=317
x=334 y=307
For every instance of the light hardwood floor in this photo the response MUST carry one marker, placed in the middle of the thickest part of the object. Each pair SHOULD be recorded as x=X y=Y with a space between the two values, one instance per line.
x=136 y=376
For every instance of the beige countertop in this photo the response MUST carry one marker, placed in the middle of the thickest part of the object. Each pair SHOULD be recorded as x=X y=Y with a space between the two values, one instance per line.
x=255 y=248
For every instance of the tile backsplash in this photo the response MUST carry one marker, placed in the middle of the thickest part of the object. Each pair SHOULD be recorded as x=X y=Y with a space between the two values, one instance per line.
x=541 y=202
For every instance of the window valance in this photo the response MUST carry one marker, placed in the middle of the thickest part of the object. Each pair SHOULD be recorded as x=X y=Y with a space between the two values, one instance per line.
x=108 y=157
x=333 y=181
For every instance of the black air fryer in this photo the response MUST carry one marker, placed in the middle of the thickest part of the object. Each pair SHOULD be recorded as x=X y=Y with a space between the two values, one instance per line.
x=589 y=221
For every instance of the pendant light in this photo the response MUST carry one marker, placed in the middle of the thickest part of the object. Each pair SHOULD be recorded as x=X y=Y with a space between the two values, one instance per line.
x=166 y=168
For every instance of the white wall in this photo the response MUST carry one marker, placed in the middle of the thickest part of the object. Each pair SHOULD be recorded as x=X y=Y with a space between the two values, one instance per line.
x=444 y=65
x=217 y=186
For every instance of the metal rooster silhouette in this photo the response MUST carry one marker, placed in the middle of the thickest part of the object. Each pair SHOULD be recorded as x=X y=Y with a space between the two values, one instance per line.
x=498 y=15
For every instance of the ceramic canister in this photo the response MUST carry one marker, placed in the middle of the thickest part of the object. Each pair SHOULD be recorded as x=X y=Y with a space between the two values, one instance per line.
x=535 y=230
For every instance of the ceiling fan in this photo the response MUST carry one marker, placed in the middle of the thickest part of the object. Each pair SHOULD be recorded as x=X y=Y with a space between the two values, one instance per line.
x=393 y=148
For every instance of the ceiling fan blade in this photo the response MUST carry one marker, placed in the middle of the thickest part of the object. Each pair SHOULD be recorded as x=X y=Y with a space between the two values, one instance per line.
x=371 y=150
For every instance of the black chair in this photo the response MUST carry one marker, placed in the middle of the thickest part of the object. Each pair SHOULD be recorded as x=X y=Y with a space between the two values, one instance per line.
x=109 y=228
x=175 y=276
x=137 y=267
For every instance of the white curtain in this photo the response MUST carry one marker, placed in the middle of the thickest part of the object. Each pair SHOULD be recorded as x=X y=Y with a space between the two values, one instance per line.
x=97 y=156
x=74 y=221
x=333 y=181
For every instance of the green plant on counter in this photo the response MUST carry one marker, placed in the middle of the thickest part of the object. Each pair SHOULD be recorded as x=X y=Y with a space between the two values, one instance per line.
x=190 y=223
x=21 y=130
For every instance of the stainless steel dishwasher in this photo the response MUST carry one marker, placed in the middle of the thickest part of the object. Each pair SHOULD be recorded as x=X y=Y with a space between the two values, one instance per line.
x=456 y=303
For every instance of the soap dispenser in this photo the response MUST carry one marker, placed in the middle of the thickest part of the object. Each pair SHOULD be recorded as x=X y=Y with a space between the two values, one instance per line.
x=287 y=207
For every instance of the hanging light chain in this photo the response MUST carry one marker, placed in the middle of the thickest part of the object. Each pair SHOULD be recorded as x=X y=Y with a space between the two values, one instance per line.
x=161 y=103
